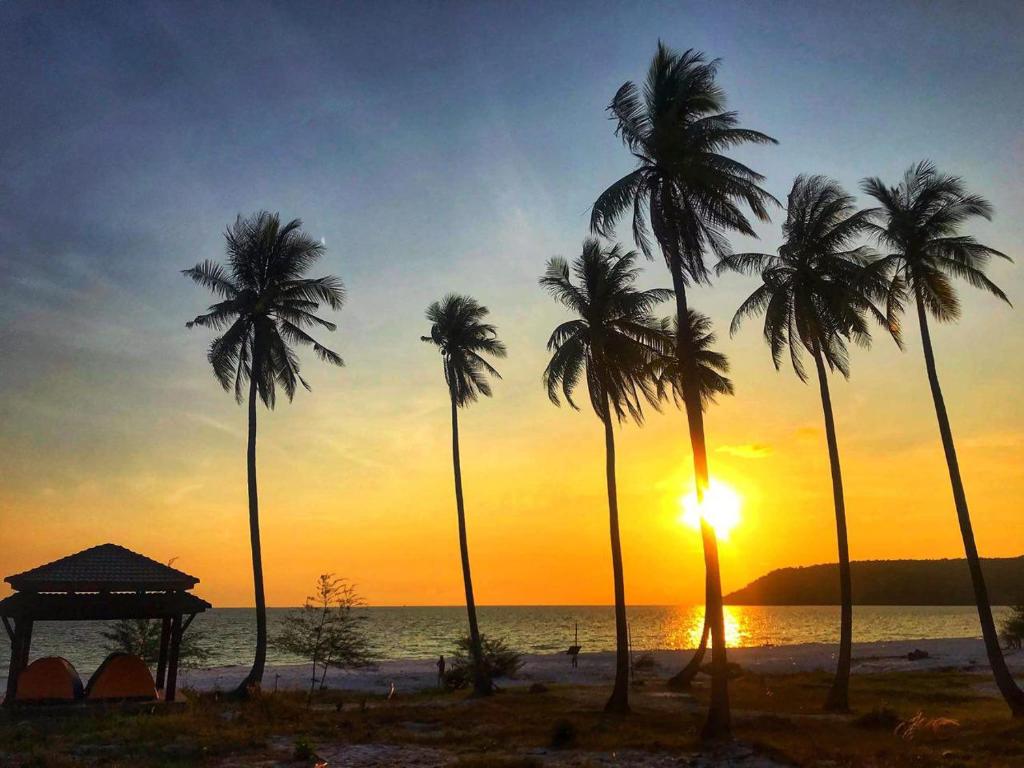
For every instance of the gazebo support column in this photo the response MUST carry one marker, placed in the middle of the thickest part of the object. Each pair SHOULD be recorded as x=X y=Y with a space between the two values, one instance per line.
x=172 y=663
x=20 y=644
x=161 y=664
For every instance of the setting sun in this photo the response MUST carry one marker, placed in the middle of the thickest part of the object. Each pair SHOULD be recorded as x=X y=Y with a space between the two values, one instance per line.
x=721 y=508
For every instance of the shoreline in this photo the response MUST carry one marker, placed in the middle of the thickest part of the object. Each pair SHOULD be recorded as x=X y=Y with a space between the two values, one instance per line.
x=597 y=668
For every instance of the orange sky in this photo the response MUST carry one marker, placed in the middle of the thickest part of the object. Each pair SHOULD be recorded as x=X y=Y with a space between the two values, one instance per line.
x=356 y=477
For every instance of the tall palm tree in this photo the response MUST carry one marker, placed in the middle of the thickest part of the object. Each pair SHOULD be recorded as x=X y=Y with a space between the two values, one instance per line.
x=690 y=193
x=917 y=223
x=712 y=381
x=266 y=304
x=610 y=344
x=816 y=295
x=458 y=330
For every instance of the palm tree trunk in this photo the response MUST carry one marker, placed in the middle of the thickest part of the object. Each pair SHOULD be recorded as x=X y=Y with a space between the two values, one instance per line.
x=255 y=677
x=838 y=699
x=481 y=682
x=1012 y=694
x=717 y=725
x=682 y=679
x=619 y=701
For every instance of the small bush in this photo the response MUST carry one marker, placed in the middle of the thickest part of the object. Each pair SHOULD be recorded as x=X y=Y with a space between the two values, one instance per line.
x=645 y=661
x=499 y=661
x=1012 y=628
x=563 y=735
x=302 y=750
x=879 y=717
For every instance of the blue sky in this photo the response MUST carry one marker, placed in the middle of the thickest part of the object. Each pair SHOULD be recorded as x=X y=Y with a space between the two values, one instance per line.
x=434 y=147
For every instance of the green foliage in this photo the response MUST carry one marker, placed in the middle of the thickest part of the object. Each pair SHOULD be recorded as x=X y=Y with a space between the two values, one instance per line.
x=918 y=223
x=1012 y=628
x=711 y=366
x=266 y=305
x=612 y=342
x=563 y=734
x=458 y=331
x=684 y=188
x=141 y=637
x=499 y=660
x=302 y=750
x=328 y=630
x=817 y=291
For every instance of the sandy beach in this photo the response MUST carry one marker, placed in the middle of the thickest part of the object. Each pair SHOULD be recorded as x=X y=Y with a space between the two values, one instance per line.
x=414 y=675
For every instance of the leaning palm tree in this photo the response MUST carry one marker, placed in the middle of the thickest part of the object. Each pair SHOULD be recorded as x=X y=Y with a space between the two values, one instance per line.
x=712 y=367
x=690 y=194
x=816 y=295
x=918 y=223
x=458 y=330
x=610 y=345
x=266 y=304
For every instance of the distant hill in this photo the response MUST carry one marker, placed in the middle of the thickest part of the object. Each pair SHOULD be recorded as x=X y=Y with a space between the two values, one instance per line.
x=887 y=582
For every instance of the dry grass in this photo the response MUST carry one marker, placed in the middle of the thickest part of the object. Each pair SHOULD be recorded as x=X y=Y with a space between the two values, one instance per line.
x=779 y=715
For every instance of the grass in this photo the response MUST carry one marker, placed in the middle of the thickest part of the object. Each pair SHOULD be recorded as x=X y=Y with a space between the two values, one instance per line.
x=777 y=715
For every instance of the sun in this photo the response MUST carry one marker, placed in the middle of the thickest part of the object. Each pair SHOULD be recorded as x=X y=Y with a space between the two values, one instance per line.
x=721 y=508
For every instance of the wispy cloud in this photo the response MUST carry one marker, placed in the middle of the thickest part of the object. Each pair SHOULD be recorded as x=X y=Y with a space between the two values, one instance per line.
x=746 y=450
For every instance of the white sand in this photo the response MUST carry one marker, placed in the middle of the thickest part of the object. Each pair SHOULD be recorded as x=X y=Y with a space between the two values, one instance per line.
x=412 y=675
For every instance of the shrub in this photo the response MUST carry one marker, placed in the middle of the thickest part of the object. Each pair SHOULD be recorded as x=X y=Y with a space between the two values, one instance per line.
x=499 y=661
x=141 y=637
x=563 y=734
x=302 y=750
x=328 y=630
x=1012 y=628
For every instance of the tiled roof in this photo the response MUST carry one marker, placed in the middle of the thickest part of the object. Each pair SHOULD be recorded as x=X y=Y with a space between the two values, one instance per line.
x=107 y=567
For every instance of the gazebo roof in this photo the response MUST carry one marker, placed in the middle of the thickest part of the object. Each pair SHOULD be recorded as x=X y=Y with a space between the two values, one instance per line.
x=104 y=568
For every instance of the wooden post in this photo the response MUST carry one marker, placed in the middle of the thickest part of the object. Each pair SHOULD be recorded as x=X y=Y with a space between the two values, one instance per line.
x=161 y=663
x=20 y=644
x=172 y=662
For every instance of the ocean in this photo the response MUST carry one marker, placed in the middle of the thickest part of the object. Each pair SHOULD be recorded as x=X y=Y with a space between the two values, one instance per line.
x=426 y=632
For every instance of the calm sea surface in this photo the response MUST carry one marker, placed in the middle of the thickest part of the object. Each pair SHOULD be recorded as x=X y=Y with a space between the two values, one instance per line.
x=399 y=633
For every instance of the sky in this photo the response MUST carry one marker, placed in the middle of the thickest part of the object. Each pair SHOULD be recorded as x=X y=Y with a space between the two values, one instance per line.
x=439 y=147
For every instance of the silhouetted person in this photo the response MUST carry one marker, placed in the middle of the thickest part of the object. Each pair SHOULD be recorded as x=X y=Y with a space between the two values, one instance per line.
x=440 y=672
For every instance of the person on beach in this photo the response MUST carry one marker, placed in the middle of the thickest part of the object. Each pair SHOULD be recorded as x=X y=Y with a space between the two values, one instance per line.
x=440 y=672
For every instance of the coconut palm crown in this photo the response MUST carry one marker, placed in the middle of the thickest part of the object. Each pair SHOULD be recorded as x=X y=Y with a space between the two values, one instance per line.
x=917 y=223
x=684 y=187
x=711 y=365
x=611 y=342
x=817 y=292
x=463 y=338
x=267 y=305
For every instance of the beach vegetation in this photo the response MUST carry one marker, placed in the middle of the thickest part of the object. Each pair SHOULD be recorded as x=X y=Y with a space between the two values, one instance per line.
x=918 y=224
x=329 y=630
x=141 y=637
x=465 y=340
x=1012 y=628
x=499 y=659
x=690 y=193
x=609 y=344
x=817 y=295
x=266 y=306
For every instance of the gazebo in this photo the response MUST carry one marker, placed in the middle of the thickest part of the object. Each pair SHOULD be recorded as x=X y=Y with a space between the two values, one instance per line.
x=101 y=584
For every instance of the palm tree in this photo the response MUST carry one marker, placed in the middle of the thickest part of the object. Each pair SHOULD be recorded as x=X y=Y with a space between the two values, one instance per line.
x=711 y=382
x=816 y=295
x=917 y=223
x=265 y=307
x=690 y=193
x=610 y=344
x=458 y=331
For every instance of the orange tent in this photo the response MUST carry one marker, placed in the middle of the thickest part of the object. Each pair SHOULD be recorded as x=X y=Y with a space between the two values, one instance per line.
x=121 y=676
x=49 y=679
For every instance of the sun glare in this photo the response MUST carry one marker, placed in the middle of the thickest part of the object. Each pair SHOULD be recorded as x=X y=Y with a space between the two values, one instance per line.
x=721 y=508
